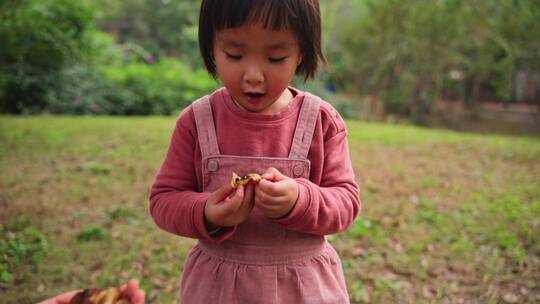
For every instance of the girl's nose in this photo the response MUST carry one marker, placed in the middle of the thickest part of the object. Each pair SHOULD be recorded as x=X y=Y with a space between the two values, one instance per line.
x=253 y=75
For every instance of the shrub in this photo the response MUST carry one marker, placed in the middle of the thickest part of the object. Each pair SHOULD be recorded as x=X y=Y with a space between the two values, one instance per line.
x=39 y=39
x=80 y=89
x=107 y=85
x=162 y=88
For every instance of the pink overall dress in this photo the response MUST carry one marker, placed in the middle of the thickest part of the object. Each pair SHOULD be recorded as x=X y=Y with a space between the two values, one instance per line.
x=261 y=262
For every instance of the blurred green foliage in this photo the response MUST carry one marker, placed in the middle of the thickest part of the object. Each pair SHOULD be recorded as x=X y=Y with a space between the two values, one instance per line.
x=39 y=39
x=409 y=53
x=55 y=60
x=161 y=88
x=163 y=28
x=141 y=56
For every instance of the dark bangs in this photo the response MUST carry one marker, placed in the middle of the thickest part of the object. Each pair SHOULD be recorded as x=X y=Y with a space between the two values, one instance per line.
x=301 y=17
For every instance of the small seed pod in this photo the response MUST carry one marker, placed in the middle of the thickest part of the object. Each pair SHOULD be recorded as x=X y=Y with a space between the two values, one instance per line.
x=244 y=180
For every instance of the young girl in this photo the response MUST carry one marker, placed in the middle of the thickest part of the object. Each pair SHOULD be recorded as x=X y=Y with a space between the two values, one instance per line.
x=263 y=242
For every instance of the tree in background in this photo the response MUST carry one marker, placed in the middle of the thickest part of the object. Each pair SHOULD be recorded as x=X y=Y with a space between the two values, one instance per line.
x=39 y=39
x=54 y=59
x=163 y=27
x=405 y=52
x=107 y=56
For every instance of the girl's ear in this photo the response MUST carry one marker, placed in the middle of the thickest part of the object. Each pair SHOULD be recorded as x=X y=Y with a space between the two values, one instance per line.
x=299 y=61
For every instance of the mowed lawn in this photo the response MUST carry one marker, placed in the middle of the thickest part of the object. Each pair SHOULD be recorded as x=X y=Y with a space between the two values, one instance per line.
x=447 y=217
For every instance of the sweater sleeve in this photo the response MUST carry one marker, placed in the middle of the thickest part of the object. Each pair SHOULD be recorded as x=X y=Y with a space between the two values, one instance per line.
x=333 y=205
x=175 y=206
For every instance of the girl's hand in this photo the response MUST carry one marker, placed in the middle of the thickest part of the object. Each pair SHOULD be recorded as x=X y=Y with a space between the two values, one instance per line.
x=276 y=194
x=129 y=291
x=225 y=208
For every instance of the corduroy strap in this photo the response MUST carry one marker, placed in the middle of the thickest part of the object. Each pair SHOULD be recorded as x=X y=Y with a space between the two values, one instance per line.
x=206 y=130
x=305 y=126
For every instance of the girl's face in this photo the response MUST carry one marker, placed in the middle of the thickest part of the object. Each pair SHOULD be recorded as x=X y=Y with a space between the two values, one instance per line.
x=257 y=65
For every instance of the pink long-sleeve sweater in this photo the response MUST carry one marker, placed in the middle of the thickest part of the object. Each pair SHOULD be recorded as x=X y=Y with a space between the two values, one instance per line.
x=327 y=203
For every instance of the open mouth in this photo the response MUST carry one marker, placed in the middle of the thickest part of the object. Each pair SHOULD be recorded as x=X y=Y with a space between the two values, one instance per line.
x=254 y=97
x=254 y=94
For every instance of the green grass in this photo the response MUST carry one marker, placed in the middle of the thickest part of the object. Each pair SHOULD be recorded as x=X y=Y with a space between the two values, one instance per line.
x=447 y=216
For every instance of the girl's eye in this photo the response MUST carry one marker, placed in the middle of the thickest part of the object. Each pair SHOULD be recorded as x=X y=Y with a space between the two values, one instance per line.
x=233 y=57
x=277 y=60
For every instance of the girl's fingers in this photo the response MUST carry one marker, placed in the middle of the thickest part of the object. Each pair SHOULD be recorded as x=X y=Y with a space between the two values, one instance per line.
x=235 y=202
x=240 y=193
x=263 y=199
x=222 y=193
x=273 y=174
x=250 y=192
x=265 y=196
x=273 y=188
x=249 y=197
x=270 y=174
x=265 y=186
x=260 y=196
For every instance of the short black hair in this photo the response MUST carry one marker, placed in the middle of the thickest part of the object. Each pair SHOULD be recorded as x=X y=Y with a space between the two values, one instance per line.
x=301 y=17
